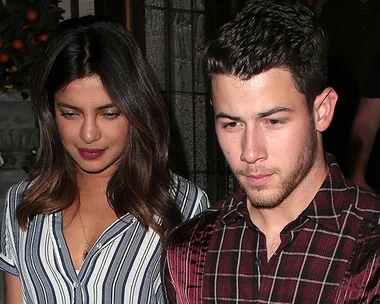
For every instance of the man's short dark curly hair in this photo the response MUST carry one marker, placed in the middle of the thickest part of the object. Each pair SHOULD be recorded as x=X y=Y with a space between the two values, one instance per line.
x=272 y=34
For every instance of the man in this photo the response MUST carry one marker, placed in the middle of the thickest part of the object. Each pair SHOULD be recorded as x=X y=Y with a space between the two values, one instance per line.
x=364 y=136
x=365 y=143
x=354 y=30
x=296 y=231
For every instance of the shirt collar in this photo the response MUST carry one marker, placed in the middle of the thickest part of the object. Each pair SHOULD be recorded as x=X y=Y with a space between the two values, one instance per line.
x=325 y=208
x=235 y=207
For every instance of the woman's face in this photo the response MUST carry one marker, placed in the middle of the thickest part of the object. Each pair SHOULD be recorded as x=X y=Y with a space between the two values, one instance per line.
x=92 y=129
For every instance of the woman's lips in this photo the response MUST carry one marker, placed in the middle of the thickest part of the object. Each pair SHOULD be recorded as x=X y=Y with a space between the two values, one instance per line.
x=91 y=153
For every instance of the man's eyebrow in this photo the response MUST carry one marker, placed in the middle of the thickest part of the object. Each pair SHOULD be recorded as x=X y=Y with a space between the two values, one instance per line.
x=274 y=111
x=70 y=106
x=262 y=114
x=225 y=115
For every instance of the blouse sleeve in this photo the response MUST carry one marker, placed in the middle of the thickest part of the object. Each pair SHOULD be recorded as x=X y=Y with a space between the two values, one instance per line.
x=10 y=230
x=190 y=199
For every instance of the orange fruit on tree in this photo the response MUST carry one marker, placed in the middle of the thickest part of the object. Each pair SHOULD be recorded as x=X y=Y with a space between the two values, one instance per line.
x=17 y=44
x=43 y=37
x=4 y=57
x=31 y=15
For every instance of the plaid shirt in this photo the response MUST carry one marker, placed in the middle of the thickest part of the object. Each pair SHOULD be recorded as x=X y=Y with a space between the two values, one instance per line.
x=329 y=254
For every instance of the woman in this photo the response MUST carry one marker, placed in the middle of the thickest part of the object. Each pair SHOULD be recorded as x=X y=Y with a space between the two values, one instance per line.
x=87 y=225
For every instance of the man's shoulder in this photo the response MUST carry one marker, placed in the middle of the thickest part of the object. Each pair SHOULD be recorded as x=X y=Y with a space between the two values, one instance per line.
x=348 y=198
x=361 y=277
x=199 y=227
x=363 y=204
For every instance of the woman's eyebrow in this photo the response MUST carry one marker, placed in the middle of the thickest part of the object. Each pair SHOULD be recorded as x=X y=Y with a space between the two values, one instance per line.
x=70 y=106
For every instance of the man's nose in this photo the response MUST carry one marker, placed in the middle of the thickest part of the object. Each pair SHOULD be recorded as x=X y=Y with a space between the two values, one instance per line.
x=253 y=146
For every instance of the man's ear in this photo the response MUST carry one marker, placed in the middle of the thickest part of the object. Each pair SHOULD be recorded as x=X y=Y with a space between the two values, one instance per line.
x=324 y=106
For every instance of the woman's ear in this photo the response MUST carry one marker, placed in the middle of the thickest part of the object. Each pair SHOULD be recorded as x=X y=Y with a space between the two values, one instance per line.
x=324 y=106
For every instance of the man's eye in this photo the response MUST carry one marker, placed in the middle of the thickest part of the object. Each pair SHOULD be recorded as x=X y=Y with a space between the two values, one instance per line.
x=275 y=122
x=231 y=124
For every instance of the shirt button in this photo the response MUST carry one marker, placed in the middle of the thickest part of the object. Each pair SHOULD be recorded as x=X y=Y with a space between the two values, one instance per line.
x=75 y=285
x=257 y=262
x=99 y=245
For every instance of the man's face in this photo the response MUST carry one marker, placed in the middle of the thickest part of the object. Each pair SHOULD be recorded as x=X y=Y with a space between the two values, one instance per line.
x=266 y=132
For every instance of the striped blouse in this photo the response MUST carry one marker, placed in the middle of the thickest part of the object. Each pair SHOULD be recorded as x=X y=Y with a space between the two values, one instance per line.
x=122 y=267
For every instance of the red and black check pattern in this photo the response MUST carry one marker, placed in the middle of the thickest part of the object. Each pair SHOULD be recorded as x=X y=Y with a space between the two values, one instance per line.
x=329 y=254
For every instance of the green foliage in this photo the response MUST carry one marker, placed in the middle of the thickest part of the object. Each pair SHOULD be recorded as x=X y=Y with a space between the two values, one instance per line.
x=25 y=25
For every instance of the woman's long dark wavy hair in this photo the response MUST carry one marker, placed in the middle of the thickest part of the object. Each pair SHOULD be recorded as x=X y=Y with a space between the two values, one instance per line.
x=85 y=47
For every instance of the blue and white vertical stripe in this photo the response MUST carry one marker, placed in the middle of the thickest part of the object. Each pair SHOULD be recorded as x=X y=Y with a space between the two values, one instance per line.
x=122 y=267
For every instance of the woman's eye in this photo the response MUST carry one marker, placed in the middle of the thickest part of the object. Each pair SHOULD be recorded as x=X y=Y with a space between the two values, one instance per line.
x=111 y=115
x=68 y=114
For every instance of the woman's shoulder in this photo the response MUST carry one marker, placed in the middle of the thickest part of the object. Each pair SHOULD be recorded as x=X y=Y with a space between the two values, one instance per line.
x=190 y=198
x=15 y=193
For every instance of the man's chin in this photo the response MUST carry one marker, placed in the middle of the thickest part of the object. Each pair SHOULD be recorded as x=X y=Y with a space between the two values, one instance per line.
x=265 y=204
x=262 y=197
